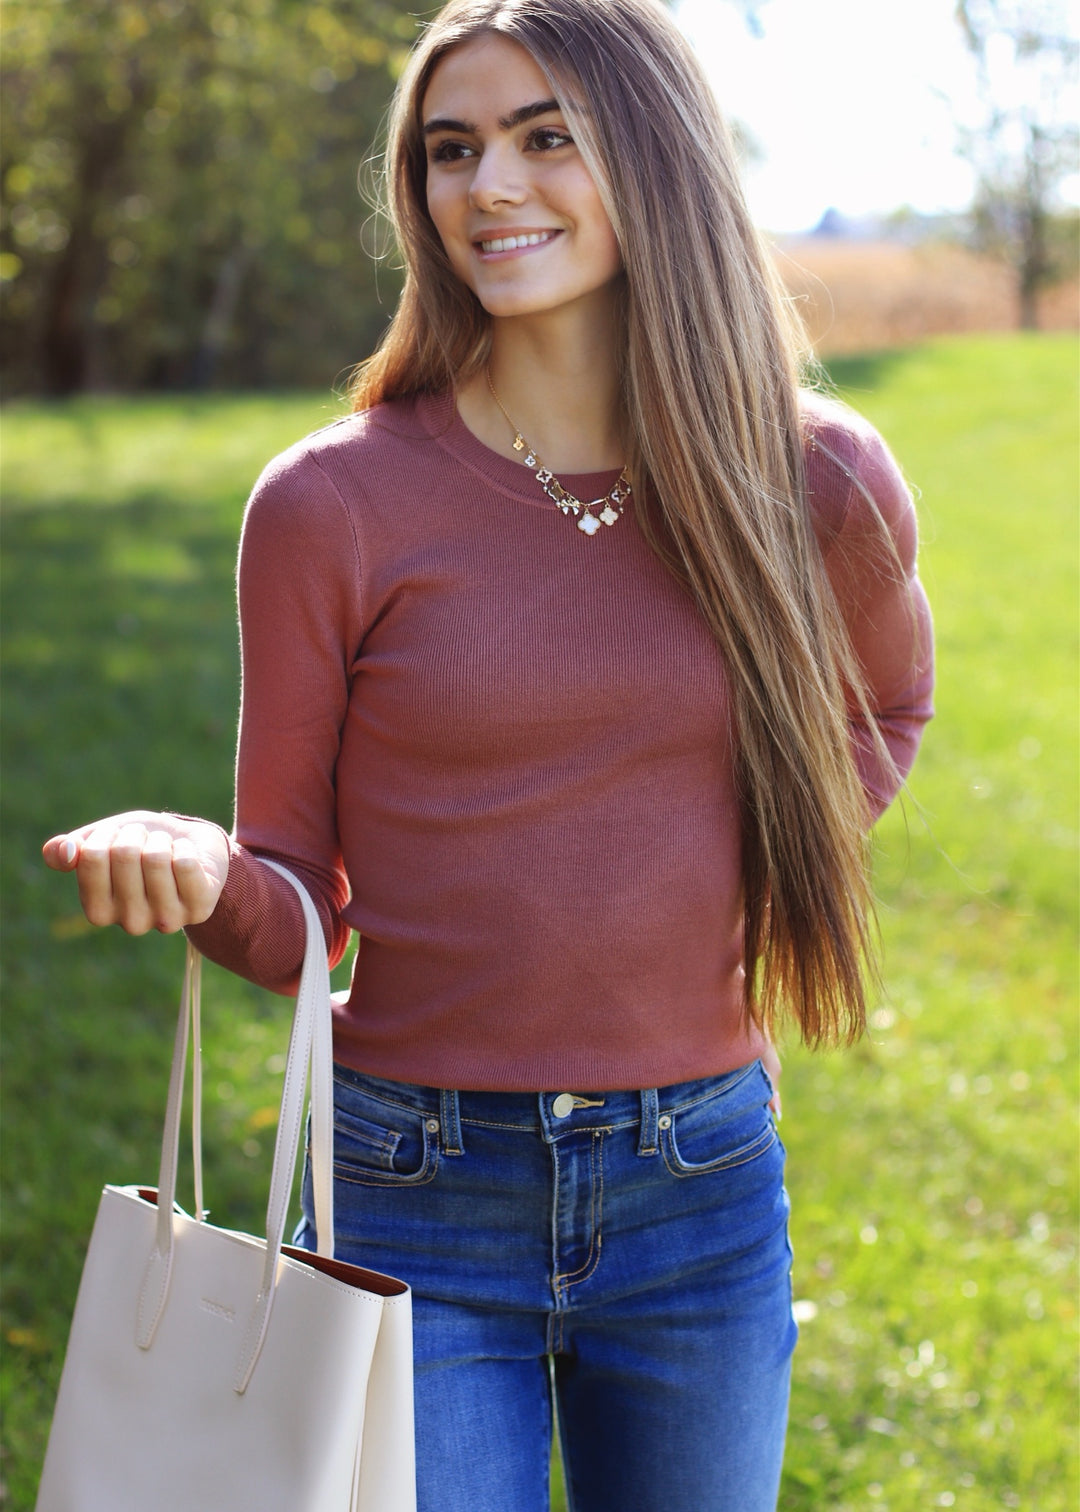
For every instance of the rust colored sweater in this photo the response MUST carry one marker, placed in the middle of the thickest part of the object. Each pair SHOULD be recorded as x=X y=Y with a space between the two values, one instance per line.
x=501 y=751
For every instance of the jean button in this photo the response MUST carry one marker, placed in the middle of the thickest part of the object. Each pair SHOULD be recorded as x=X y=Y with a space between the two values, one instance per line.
x=563 y=1105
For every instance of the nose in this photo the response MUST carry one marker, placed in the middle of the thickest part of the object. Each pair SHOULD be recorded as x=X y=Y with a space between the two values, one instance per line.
x=497 y=180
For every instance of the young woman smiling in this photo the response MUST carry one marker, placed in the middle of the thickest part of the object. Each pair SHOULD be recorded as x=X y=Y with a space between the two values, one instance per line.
x=577 y=663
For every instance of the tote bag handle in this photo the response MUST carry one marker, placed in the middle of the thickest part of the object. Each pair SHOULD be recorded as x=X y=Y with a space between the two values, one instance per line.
x=310 y=1045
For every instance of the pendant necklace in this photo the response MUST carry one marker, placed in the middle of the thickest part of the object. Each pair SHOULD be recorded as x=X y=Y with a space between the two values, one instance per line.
x=610 y=506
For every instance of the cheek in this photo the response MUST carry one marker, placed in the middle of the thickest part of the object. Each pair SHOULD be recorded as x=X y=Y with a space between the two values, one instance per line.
x=436 y=208
x=606 y=254
x=602 y=236
x=441 y=208
x=615 y=258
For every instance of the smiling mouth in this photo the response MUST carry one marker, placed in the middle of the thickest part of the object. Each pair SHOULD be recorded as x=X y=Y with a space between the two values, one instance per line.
x=513 y=243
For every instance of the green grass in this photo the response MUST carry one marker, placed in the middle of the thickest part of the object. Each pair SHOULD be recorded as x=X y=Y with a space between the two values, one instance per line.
x=932 y=1169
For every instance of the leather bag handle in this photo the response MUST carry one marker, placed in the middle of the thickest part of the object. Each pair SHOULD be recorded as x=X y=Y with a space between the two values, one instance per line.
x=310 y=1046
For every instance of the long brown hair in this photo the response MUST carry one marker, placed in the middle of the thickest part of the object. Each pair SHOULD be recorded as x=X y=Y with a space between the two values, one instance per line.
x=709 y=376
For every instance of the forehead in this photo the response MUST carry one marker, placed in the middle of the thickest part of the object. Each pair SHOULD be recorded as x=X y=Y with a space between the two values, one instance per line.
x=482 y=79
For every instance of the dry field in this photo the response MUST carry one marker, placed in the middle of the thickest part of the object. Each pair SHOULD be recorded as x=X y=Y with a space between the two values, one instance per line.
x=857 y=296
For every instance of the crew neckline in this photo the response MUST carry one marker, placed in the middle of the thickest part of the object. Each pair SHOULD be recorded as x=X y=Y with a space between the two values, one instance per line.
x=439 y=415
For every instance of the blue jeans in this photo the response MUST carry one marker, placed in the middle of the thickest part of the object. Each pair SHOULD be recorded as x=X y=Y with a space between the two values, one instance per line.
x=622 y=1256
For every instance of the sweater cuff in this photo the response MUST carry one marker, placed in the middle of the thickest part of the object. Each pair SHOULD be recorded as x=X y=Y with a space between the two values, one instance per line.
x=257 y=929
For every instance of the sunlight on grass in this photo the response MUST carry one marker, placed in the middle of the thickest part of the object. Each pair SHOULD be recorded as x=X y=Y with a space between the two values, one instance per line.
x=932 y=1168
x=183 y=450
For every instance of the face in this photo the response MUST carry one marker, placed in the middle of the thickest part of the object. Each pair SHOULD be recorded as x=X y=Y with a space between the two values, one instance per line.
x=507 y=189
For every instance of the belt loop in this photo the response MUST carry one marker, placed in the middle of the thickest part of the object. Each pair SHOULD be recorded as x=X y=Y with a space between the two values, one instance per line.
x=450 y=1111
x=650 y=1107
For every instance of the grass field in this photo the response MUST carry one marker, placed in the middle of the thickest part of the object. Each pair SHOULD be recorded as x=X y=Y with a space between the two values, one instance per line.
x=932 y=1169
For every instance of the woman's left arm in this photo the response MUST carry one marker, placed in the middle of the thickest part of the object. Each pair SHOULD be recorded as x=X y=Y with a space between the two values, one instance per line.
x=871 y=564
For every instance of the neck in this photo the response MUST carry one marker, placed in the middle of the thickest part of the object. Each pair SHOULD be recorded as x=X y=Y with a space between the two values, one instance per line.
x=557 y=379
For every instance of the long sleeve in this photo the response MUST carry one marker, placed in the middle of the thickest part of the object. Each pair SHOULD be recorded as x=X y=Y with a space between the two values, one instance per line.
x=871 y=539
x=299 y=594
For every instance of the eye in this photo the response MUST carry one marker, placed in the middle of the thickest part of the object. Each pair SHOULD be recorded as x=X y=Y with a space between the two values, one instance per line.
x=547 y=138
x=450 y=151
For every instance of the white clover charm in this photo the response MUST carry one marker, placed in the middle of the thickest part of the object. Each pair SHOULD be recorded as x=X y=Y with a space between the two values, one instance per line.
x=561 y=497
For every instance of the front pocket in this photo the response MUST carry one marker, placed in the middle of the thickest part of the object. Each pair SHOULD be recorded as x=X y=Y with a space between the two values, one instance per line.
x=381 y=1145
x=730 y=1128
x=368 y=1144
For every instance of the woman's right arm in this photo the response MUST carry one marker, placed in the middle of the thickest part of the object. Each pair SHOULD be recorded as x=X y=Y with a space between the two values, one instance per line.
x=299 y=593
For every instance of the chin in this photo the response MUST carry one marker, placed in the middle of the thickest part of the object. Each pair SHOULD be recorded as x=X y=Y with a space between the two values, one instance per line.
x=504 y=303
x=504 y=306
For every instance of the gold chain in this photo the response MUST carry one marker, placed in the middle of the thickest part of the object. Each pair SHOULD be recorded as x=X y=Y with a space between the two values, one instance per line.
x=588 y=522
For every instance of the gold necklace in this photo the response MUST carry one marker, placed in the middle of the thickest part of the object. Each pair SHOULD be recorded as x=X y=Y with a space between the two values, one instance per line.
x=590 y=523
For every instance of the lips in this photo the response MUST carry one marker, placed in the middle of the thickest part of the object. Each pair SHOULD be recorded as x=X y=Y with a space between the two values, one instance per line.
x=514 y=241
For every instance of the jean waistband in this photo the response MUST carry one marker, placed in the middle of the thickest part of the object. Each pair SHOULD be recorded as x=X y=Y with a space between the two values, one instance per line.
x=552 y=1114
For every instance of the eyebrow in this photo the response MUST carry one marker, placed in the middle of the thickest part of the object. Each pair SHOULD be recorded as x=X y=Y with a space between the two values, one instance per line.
x=516 y=117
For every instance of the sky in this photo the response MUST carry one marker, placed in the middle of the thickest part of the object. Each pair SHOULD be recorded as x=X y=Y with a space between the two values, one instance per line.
x=852 y=102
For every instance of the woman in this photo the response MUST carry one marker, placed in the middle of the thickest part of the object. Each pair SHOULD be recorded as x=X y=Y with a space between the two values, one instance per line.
x=582 y=734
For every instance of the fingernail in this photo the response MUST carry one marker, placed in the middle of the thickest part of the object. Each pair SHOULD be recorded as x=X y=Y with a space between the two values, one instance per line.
x=68 y=852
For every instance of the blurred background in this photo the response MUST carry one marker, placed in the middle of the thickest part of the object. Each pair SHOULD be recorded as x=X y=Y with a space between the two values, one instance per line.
x=186 y=254
x=179 y=177
x=180 y=204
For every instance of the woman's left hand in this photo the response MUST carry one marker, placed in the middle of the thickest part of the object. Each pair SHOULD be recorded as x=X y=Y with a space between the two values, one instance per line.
x=771 y=1061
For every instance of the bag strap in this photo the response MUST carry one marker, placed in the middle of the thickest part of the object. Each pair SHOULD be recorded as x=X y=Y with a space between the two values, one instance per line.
x=310 y=1044
x=155 y=1288
x=194 y=967
x=317 y=1053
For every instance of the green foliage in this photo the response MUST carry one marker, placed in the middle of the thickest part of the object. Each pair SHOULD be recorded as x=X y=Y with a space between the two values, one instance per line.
x=179 y=189
x=932 y=1169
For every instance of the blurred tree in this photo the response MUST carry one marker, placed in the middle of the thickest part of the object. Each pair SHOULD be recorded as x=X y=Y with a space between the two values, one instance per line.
x=178 y=189
x=1026 y=54
x=178 y=192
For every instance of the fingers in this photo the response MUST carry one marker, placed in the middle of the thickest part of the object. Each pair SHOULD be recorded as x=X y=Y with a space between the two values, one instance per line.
x=118 y=863
x=61 y=852
x=112 y=886
x=197 y=893
x=144 y=871
x=144 y=891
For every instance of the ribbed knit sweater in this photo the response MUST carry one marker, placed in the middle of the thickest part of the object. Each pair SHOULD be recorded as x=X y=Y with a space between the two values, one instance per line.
x=501 y=751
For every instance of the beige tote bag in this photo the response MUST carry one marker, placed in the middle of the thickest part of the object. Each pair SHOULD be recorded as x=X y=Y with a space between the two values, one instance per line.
x=212 y=1371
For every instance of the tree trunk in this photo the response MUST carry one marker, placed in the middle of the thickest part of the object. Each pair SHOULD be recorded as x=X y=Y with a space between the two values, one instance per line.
x=72 y=290
x=219 y=317
x=1034 y=261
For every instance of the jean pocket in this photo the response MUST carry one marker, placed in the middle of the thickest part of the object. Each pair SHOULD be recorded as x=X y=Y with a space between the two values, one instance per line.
x=380 y=1144
x=725 y=1128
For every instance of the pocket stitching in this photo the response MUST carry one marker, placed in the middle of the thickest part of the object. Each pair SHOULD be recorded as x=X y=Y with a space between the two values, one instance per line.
x=421 y=1177
x=742 y=1156
x=346 y=1124
x=360 y=1175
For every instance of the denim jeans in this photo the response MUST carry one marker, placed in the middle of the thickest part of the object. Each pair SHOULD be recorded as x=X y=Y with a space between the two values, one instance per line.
x=617 y=1259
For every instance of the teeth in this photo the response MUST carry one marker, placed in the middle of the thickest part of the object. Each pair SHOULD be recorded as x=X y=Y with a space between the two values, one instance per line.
x=509 y=243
